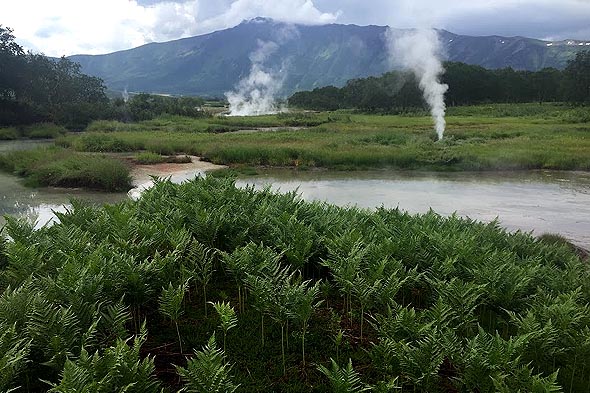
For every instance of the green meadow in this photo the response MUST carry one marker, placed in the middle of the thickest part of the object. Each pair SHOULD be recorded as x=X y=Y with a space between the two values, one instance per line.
x=478 y=138
x=493 y=137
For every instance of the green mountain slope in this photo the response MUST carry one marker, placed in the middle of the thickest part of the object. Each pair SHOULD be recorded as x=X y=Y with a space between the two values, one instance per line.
x=306 y=57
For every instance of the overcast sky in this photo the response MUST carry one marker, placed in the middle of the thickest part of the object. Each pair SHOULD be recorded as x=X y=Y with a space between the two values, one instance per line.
x=66 y=27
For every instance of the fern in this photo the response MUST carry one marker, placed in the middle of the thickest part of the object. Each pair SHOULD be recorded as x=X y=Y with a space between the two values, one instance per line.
x=55 y=331
x=522 y=379
x=117 y=369
x=171 y=305
x=113 y=320
x=202 y=260
x=304 y=303
x=343 y=380
x=14 y=352
x=207 y=372
x=487 y=357
x=228 y=318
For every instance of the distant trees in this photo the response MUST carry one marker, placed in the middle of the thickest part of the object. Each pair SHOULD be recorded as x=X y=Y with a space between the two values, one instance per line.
x=397 y=91
x=36 y=88
x=147 y=106
x=10 y=63
x=577 y=78
x=392 y=91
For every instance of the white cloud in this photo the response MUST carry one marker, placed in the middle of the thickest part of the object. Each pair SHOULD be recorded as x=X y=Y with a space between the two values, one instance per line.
x=297 y=11
x=66 y=27
x=59 y=27
x=533 y=18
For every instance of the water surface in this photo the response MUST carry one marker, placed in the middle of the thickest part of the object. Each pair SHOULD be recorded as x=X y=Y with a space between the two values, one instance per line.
x=540 y=201
x=38 y=204
x=543 y=201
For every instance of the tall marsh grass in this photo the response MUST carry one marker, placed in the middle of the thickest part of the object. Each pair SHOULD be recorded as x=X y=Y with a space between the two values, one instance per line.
x=63 y=168
x=485 y=137
x=35 y=131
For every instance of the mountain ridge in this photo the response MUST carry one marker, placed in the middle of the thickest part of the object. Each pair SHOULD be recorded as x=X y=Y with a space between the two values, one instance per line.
x=308 y=56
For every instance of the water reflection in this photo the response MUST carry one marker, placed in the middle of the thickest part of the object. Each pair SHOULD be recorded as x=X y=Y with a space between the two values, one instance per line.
x=544 y=201
x=39 y=205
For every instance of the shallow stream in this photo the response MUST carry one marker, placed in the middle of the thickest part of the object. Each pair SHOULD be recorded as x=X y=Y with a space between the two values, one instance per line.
x=543 y=201
x=540 y=201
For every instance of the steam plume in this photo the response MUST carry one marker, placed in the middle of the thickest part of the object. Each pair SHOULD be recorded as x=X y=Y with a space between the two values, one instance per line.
x=256 y=93
x=125 y=95
x=420 y=52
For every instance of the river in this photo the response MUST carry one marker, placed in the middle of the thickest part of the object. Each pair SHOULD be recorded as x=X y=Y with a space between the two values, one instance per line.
x=38 y=204
x=539 y=201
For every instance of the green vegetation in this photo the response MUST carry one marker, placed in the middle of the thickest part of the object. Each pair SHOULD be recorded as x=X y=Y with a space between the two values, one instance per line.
x=147 y=158
x=398 y=92
x=487 y=137
x=219 y=124
x=35 y=131
x=448 y=304
x=35 y=88
x=64 y=168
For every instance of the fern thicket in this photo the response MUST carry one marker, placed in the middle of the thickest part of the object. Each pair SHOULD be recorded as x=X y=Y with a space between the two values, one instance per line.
x=433 y=303
x=207 y=371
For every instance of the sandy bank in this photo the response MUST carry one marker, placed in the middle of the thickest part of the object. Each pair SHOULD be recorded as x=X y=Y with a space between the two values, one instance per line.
x=142 y=174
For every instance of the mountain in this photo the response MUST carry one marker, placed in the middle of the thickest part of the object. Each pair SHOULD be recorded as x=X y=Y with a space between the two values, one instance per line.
x=306 y=57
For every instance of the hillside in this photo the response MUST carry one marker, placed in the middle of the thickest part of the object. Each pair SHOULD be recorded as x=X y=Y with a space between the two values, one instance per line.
x=308 y=56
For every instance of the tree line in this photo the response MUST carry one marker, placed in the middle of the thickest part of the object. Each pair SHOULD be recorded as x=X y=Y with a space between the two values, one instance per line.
x=398 y=91
x=35 y=88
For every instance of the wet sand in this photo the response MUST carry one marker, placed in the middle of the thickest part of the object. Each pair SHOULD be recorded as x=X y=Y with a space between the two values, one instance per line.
x=142 y=174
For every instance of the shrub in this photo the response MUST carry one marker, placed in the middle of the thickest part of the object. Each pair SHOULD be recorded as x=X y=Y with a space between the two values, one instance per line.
x=148 y=158
x=62 y=168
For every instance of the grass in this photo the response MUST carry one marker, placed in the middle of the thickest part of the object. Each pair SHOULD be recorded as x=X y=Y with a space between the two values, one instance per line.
x=448 y=304
x=64 y=168
x=497 y=137
x=35 y=131
x=214 y=124
x=147 y=158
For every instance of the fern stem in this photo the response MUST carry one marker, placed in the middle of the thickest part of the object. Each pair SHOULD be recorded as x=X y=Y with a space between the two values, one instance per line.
x=179 y=340
x=283 y=348
x=240 y=298
x=205 y=298
x=362 y=320
x=303 y=342
x=573 y=373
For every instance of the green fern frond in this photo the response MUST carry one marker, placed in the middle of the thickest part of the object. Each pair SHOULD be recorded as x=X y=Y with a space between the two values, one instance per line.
x=14 y=352
x=171 y=300
x=227 y=315
x=117 y=369
x=343 y=379
x=207 y=372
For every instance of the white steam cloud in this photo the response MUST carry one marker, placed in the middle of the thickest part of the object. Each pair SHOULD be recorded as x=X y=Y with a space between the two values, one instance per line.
x=420 y=51
x=256 y=93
